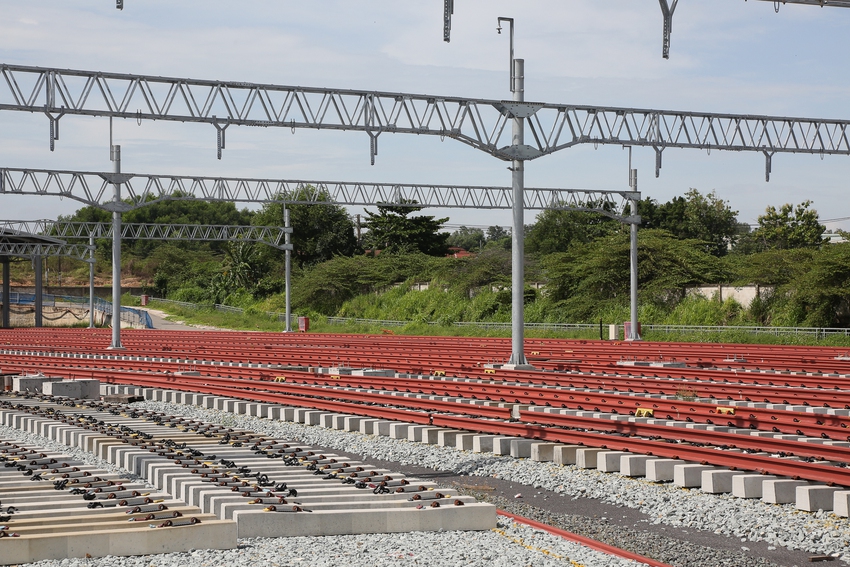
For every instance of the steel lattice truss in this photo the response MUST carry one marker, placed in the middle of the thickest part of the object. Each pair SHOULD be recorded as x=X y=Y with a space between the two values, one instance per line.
x=28 y=250
x=480 y=123
x=269 y=235
x=821 y=3
x=666 y=12
x=95 y=189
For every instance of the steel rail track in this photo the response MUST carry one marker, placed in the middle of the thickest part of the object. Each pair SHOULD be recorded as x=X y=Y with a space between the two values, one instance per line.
x=584 y=540
x=736 y=461
x=513 y=391
x=530 y=428
x=758 y=374
x=721 y=392
x=800 y=423
x=608 y=350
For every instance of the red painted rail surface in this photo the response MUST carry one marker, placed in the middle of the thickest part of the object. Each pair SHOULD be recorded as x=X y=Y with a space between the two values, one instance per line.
x=458 y=382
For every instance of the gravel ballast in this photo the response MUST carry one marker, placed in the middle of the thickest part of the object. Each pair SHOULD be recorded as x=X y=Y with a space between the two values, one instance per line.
x=545 y=490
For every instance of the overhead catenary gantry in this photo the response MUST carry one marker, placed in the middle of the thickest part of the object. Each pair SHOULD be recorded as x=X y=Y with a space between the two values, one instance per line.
x=25 y=245
x=668 y=7
x=44 y=238
x=31 y=250
x=93 y=188
x=667 y=10
x=268 y=235
x=479 y=123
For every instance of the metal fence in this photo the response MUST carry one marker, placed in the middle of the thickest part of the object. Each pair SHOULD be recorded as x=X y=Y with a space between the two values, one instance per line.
x=129 y=315
x=275 y=315
x=655 y=328
x=805 y=331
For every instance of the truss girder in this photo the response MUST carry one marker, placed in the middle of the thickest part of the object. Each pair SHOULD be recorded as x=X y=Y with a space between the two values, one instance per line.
x=479 y=123
x=821 y=3
x=91 y=189
x=28 y=250
x=270 y=235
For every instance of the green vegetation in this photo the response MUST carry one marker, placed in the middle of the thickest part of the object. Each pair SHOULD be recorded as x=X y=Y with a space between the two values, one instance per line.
x=577 y=269
x=393 y=230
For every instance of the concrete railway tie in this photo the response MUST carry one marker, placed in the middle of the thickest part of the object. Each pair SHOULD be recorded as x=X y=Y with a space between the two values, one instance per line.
x=53 y=524
x=809 y=496
x=235 y=484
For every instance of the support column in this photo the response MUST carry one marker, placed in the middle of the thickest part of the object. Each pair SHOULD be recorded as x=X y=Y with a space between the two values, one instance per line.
x=7 y=292
x=39 y=297
x=116 y=253
x=91 y=282
x=518 y=236
x=288 y=271
x=633 y=335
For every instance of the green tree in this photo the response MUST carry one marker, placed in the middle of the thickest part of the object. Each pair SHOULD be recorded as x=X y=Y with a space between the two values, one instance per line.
x=328 y=285
x=467 y=238
x=319 y=232
x=590 y=277
x=556 y=230
x=498 y=237
x=242 y=265
x=770 y=267
x=497 y=233
x=696 y=216
x=819 y=294
x=393 y=230
x=787 y=228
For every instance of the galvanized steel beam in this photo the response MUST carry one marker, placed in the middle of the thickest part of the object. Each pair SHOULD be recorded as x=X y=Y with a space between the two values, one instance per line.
x=269 y=235
x=479 y=123
x=143 y=189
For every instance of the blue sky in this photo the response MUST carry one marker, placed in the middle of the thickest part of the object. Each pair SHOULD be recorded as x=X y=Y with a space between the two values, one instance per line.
x=727 y=56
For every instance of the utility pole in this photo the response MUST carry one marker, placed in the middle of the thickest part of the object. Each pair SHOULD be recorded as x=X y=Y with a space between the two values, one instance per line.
x=517 y=83
x=91 y=282
x=287 y=270
x=117 y=206
x=115 y=156
x=634 y=333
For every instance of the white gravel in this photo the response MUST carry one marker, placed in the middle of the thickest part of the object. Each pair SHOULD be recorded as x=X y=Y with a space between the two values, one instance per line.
x=508 y=545
x=748 y=520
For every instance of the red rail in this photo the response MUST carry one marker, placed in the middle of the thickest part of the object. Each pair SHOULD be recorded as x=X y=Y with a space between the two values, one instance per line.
x=583 y=540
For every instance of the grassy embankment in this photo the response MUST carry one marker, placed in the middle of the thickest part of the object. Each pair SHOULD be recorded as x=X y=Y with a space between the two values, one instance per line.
x=255 y=320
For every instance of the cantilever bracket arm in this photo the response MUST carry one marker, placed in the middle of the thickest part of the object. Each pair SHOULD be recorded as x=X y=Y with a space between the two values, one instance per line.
x=220 y=140
x=768 y=165
x=54 y=126
x=657 y=160
x=667 y=12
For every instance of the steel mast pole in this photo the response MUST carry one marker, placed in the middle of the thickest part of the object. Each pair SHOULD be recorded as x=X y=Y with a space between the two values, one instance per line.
x=91 y=282
x=517 y=84
x=518 y=237
x=116 y=249
x=634 y=334
x=288 y=271
x=39 y=299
